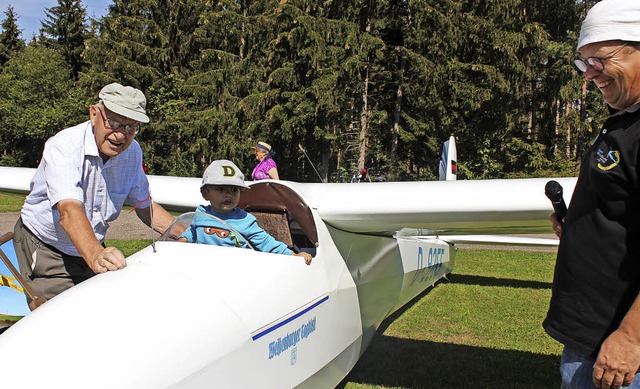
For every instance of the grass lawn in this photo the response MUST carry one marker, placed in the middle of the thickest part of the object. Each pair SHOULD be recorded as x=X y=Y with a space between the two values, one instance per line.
x=11 y=202
x=481 y=329
x=8 y=319
x=128 y=247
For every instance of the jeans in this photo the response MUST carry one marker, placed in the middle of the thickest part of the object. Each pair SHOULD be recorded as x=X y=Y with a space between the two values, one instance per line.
x=577 y=371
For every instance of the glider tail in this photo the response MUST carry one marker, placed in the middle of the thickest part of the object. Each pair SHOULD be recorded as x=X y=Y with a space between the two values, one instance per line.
x=448 y=168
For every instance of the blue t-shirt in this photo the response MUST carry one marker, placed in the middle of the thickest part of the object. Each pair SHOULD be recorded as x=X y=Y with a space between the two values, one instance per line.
x=204 y=229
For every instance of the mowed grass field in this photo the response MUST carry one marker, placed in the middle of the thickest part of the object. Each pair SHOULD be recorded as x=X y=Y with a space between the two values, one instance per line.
x=10 y=202
x=480 y=329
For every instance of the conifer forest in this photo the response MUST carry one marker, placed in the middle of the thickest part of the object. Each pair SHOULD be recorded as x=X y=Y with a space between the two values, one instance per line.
x=379 y=84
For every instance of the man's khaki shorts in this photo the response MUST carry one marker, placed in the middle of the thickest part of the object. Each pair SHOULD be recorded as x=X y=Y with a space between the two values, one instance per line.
x=47 y=270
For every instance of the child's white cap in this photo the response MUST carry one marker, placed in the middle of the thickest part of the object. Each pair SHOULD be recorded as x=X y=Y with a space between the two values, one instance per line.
x=223 y=172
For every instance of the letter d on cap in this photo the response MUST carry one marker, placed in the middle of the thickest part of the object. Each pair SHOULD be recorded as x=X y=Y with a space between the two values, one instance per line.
x=228 y=171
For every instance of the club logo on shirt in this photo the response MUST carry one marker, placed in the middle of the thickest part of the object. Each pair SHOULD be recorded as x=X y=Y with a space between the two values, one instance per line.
x=607 y=159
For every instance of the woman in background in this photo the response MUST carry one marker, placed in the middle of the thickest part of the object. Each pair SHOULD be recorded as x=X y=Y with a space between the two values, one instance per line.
x=266 y=167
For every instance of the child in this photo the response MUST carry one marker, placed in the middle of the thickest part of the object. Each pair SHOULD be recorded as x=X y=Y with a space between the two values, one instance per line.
x=222 y=184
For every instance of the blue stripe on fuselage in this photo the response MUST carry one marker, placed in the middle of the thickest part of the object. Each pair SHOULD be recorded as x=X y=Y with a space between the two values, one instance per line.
x=280 y=324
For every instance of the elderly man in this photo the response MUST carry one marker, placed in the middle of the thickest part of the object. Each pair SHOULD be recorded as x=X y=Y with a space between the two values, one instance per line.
x=595 y=310
x=86 y=174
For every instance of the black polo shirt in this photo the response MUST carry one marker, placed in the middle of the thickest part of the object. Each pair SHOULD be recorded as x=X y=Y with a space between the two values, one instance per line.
x=597 y=274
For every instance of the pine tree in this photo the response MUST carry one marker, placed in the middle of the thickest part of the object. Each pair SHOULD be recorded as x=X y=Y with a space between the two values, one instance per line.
x=325 y=64
x=149 y=45
x=141 y=41
x=64 y=30
x=208 y=102
x=306 y=102
x=10 y=38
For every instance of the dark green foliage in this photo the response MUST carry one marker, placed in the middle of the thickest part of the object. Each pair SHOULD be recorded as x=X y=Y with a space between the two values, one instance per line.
x=10 y=37
x=379 y=84
x=37 y=99
x=64 y=30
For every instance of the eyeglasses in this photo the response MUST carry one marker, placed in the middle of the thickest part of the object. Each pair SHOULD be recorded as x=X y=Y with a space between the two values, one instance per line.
x=596 y=63
x=117 y=126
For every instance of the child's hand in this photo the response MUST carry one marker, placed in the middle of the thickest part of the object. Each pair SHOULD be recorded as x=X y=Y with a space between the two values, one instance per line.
x=307 y=257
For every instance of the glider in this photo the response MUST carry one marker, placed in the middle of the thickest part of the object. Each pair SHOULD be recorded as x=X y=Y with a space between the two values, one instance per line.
x=186 y=315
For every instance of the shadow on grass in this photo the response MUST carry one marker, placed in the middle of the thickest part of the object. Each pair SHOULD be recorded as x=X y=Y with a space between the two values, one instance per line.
x=465 y=279
x=407 y=363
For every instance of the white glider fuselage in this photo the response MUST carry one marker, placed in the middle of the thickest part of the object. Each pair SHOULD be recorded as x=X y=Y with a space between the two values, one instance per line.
x=199 y=316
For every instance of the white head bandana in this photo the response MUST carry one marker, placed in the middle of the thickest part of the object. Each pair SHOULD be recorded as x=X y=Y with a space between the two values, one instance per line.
x=611 y=20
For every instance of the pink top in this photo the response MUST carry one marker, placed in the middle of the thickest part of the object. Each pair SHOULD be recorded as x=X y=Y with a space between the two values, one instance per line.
x=261 y=171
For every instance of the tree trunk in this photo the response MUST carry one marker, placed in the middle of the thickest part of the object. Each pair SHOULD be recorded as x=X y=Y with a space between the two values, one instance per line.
x=398 y=110
x=364 y=122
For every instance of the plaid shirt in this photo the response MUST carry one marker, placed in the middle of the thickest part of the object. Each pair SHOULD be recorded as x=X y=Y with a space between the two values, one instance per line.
x=71 y=168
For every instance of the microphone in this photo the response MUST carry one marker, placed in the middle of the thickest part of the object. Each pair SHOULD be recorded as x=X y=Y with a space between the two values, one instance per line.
x=553 y=190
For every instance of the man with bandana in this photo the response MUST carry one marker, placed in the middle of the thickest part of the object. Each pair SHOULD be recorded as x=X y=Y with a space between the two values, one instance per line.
x=595 y=309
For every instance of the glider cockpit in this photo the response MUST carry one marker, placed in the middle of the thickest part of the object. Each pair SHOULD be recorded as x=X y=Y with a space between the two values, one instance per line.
x=279 y=210
x=282 y=213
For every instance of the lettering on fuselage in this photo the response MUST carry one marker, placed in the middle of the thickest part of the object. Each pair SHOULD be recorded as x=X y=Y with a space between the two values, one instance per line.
x=435 y=257
x=291 y=340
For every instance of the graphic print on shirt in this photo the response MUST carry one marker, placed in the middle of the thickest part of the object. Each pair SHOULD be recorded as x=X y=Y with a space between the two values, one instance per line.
x=607 y=158
x=222 y=234
x=218 y=231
